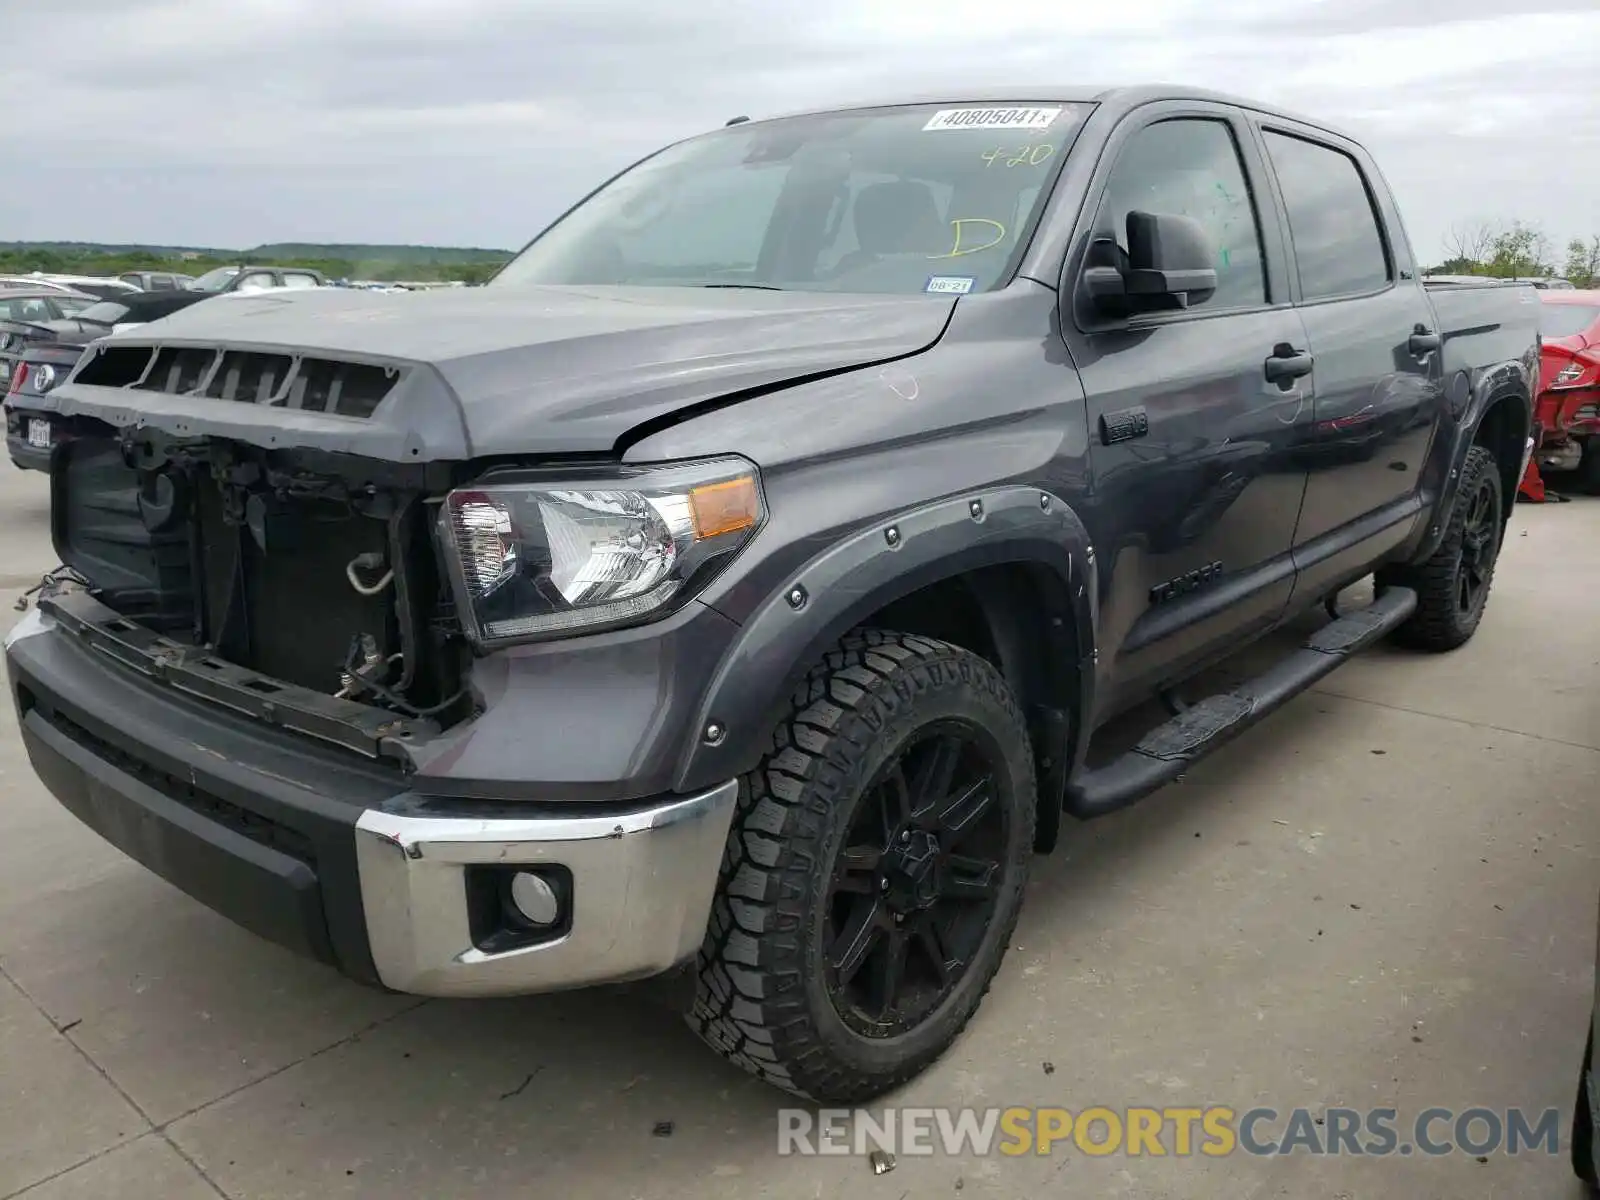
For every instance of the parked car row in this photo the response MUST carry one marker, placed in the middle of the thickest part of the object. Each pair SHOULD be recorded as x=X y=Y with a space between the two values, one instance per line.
x=91 y=285
x=42 y=340
x=242 y=278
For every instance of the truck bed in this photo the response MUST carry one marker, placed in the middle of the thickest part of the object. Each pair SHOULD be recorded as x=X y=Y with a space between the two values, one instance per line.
x=1485 y=323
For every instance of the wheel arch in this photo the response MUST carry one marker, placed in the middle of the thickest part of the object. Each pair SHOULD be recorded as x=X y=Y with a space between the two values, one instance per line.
x=1008 y=575
x=1503 y=430
x=1500 y=422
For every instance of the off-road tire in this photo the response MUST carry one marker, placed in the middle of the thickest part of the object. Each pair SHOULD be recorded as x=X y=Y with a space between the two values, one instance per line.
x=1439 y=622
x=761 y=1001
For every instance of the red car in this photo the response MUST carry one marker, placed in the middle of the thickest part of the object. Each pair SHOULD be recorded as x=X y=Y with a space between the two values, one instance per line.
x=1568 y=408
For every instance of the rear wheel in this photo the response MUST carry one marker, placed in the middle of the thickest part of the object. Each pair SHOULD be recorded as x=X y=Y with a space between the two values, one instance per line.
x=1453 y=586
x=874 y=871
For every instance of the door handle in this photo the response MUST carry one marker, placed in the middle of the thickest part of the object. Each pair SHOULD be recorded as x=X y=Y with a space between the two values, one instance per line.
x=1287 y=364
x=1423 y=341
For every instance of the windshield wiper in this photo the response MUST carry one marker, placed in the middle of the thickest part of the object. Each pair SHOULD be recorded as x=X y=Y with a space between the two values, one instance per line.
x=759 y=287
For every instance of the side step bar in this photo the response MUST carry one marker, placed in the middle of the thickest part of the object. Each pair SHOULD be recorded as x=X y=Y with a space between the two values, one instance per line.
x=1171 y=749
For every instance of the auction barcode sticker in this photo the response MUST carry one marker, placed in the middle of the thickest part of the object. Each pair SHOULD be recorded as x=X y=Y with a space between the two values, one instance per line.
x=992 y=118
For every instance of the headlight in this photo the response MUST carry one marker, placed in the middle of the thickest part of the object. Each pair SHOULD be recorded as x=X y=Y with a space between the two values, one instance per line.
x=537 y=554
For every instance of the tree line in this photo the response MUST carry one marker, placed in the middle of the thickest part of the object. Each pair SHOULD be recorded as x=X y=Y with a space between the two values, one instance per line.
x=1518 y=251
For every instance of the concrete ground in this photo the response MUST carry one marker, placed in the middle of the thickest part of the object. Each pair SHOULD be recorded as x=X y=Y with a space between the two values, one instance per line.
x=1385 y=895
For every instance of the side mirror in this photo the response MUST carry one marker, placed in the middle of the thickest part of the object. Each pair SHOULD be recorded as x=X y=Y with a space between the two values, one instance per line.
x=1169 y=262
x=1169 y=255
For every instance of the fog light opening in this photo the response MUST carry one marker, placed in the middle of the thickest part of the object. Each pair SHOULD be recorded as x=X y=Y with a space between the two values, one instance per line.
x=535 y=899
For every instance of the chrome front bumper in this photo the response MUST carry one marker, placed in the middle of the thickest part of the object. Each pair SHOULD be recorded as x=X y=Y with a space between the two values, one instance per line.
x=641 y=893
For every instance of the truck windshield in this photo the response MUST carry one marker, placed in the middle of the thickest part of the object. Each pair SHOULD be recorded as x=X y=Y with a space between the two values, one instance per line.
x=214 y=281
x=896 y=200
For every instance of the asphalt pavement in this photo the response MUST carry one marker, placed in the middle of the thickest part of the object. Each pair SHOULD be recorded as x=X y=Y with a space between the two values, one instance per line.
x=1383 y=896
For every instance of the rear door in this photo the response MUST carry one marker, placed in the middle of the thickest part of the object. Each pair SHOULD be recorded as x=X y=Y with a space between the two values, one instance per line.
x=1191 y=433
x=1376 y=384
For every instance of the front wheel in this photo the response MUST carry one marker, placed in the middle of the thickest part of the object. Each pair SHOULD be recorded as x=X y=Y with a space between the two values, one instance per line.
x=1453 y=586
x=873 y=874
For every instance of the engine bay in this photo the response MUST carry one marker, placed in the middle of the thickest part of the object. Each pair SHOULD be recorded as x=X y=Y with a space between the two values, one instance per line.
x=314 y=570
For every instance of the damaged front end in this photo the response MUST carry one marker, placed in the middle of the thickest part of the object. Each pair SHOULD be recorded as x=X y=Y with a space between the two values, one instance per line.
x=280 y=535
x=296 y=595
x=297 y=584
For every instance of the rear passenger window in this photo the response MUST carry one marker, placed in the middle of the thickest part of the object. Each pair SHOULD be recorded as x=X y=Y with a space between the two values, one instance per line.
x=1337 y=242
x=1191 y=167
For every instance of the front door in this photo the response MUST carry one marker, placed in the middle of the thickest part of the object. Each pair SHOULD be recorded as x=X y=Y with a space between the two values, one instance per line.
x=1196 y=486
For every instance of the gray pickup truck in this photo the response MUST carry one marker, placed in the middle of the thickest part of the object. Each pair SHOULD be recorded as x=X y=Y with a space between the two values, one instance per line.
x=739 y=581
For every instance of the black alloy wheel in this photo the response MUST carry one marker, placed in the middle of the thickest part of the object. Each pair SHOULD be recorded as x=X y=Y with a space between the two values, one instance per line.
x=1480 y=545
x=1452 y=584
x=916 y=882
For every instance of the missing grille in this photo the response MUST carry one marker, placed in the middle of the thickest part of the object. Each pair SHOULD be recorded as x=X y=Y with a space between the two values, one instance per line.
x=249 y=376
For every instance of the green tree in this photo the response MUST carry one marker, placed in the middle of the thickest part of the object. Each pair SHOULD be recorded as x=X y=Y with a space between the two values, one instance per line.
x=1519 y=252
x=1583 y=262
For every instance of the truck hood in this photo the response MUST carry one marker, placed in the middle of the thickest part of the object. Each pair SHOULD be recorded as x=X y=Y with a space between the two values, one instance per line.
x=497 y=371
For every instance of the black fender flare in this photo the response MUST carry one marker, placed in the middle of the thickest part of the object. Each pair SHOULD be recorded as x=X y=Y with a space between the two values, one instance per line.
x=1471 y=406
x=842 y=585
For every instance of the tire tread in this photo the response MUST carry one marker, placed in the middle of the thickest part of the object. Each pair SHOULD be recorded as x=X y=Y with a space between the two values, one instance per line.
x=1437 y=624
x=751 y=1001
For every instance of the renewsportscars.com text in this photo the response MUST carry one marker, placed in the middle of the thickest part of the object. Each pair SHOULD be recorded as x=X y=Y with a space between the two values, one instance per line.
x=1213 y=1131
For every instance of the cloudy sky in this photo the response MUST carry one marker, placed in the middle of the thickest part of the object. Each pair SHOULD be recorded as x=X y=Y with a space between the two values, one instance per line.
x=473 y=122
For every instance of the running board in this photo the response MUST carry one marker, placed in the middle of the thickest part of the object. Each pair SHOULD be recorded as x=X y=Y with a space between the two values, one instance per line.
x=1169 y=750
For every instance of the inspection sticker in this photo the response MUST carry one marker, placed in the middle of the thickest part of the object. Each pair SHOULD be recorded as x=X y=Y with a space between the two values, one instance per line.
x=950 y=285
x=992 y=118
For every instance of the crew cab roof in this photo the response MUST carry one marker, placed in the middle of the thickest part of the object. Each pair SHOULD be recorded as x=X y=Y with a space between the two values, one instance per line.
x=1121 y=99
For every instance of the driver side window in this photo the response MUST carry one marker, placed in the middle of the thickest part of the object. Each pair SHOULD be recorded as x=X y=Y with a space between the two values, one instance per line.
x=1190 y=166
